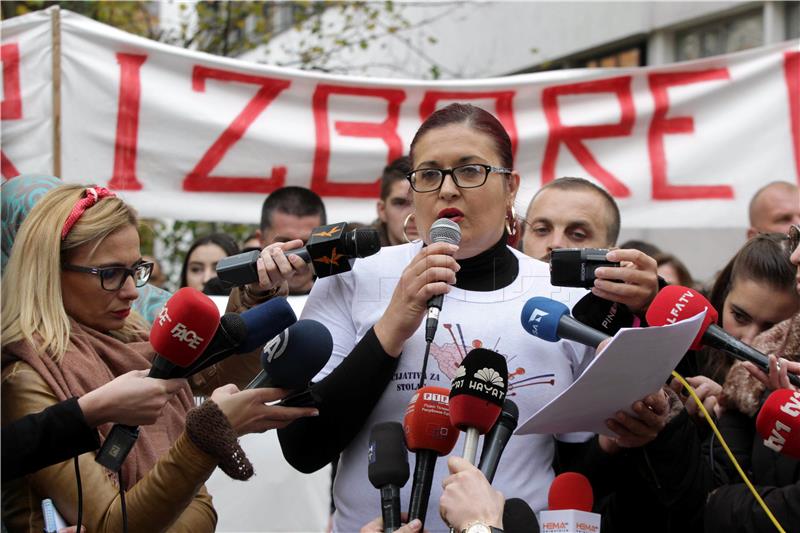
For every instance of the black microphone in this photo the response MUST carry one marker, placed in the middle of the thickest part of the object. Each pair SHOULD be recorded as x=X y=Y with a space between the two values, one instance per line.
x=443 y=230
x=518 y=517
x=388 y=469
x=330 y=250
x=229 y=336
x=495 y=441
x=549 y=320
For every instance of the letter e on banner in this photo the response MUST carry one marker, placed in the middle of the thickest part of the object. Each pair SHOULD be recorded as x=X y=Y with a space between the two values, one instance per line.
x=200 y=179
x=791 y=70
x=386 y=131
x=573 y=136
x=661 y=126
x=11 y=106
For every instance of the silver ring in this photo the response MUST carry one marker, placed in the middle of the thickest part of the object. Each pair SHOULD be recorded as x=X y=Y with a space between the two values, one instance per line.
x=778 y=364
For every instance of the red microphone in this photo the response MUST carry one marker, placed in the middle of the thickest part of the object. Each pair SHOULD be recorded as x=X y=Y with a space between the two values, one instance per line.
x=429 y=434
x=674 y=303
x=569 y=503
x=477 y=394
x=182 y=330
x=778 y=422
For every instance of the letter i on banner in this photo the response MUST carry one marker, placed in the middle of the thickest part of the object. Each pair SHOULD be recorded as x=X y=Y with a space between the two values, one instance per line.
x=126 y=143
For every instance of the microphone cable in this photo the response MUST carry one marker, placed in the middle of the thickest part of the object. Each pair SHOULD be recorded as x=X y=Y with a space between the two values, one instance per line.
x=122 y=502
x=424 y=364
x=728 y=452
x=80 y=492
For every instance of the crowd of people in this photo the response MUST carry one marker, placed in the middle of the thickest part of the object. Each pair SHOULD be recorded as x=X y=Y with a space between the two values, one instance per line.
x=77 y=307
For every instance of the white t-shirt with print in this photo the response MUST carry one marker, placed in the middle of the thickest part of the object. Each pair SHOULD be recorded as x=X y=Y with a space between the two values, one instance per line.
x=350 y=303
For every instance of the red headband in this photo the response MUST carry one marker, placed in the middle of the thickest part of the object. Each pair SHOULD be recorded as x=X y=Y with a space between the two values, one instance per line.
x=93 y=195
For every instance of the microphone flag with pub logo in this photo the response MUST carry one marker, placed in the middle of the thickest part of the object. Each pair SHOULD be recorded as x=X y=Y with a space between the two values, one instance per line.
x=778 y=422
x=388 y=469
x=570 y=502
x=429 y=434
x=477 y=394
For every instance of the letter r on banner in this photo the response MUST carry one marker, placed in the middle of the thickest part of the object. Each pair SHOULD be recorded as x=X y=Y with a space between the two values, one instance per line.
x=386 y=131
x=791 y=70
x=11 y=106
x=573 y=136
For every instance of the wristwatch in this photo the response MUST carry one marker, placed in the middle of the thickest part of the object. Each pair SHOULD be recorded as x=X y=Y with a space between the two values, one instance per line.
x=480 y=527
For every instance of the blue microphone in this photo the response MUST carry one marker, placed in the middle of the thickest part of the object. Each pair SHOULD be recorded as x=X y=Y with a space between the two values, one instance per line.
x=293 y=357
x=550 y=321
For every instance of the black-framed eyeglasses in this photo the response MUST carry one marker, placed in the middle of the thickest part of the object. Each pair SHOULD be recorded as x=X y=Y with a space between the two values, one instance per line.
x=794 y=237
x=464 y=176
x=113 y=278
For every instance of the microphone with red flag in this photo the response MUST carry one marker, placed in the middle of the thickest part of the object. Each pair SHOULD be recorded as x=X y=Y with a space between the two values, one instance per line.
x=429 y=434
x=675 y=303
x=778 y=422
x=477 y=395
x=180 y=333
x=569 y=503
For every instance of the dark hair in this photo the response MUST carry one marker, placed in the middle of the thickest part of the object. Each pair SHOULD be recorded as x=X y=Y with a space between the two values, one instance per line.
x=223 y=240
x=578 y=184
x=684 y=277
x=476 y=118
x=763 y=259
x=296 y=201
x=394 y=172
x=643 y=246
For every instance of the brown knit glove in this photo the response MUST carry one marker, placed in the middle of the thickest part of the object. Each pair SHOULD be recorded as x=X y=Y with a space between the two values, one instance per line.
x=209 y=429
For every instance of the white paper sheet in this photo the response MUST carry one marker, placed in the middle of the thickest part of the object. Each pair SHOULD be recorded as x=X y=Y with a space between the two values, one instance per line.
x=634 y=364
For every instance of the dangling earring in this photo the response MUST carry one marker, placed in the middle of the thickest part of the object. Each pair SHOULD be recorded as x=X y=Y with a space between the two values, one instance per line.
x=405 y=223
x=511 y=222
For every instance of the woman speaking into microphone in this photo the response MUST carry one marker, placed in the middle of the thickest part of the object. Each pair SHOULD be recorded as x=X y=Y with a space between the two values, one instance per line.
x=462 y=170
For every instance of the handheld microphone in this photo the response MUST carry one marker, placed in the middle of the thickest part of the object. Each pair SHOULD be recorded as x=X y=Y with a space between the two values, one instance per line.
x=518 y=517
x=675 y=303
x=180 y=333
x=443 y=230
x=330 y=250
x=570 y=502
x=429 y=434
x=778 y=422
x=260 y=324
x=293 y=357
x=388 y=469
x=550 y=320
x=229 y=336
x=495 y=441
x=477 y=394
x=603 y=315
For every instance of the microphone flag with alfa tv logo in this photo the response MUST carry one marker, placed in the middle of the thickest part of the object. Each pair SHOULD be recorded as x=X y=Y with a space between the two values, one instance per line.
x=260 y=324
x=429 y=434
x=443 y=230
x=180 y=333
x=675 y=303
x=495 y=441
x=387 y=469
x=778 y=422
x=550 y=321
x=330 y=249
x=477 y=395
x=294 y=356
x=570 y=502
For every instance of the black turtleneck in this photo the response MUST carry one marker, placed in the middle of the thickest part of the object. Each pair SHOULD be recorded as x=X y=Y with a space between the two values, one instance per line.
x=490 y=270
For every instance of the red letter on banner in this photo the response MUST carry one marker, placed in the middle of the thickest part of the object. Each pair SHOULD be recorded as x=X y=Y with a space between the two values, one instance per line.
x=130 y=95
x=661 y=125
x=791 y=70
x=573 y=136
x=11 y=106
x=504 y=107
x=200 y=179
x=386 y=130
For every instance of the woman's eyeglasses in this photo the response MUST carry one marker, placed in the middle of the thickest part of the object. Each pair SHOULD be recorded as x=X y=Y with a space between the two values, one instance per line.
x=464 y=176
x=113 y=278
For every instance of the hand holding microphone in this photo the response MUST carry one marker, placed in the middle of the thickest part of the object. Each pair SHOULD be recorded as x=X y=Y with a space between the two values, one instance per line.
x=468 y=498
x=778 y=377
x=247 y=411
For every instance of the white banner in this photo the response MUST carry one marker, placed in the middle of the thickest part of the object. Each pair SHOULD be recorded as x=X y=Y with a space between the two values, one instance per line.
x=188 y=135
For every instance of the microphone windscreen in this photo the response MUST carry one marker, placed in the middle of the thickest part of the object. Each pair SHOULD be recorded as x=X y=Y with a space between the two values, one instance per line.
x=264 y=321
x=478 y=390
x=540 y=317
x=570 y=490
x=509 y=414
x=233 y=326
x=387 y=455
x=427 y=422
x=602 y=315
x=297 y=354
x=674 y=303
x=445 y=230
x=185 y=326
x=518 y=517
x=366 y=242
x=778 y=422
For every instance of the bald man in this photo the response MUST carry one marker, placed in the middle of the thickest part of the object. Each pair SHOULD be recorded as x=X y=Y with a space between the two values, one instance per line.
x=774 y=208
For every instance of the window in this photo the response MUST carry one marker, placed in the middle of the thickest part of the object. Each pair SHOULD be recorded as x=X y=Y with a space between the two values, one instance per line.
x=720 y=37
x=792 y=15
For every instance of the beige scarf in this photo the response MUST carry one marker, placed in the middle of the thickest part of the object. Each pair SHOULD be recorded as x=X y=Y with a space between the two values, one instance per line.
x=92 y=360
